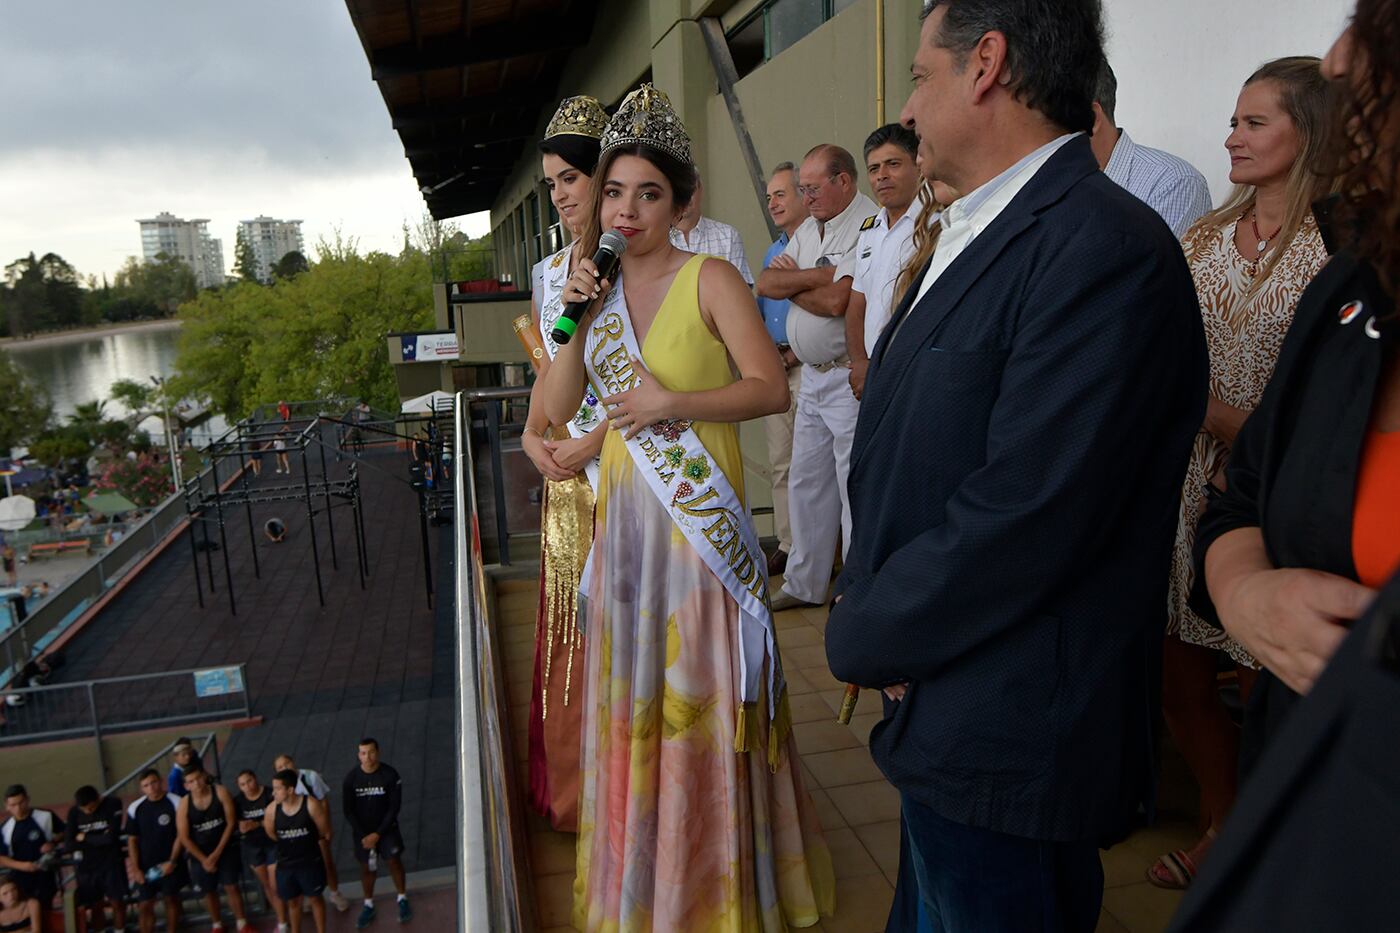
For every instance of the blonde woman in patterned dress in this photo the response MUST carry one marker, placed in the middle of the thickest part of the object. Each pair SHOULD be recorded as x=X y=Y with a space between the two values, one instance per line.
x=1251 y=259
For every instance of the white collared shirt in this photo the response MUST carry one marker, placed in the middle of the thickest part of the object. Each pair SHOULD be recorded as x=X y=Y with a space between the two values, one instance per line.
x=974 y=212
x=715 y=239
x=814 y=338
x=874 y=265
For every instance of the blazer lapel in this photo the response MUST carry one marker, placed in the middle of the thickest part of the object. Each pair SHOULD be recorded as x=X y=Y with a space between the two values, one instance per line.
x=896 y=352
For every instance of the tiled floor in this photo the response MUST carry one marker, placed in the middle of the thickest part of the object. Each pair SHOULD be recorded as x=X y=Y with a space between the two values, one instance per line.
x=859 y=809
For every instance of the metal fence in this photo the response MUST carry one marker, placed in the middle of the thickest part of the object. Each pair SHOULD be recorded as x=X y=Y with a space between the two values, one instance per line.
x=48 y=620
x=139 y=701
x=206 y=745
x=492 y=874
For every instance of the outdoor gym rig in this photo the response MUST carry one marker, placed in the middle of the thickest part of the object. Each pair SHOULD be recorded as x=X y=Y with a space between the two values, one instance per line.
x=229 y=485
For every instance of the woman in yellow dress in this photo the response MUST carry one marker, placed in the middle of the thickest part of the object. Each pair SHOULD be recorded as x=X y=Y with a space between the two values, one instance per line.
x=566 y=457
x=693 y=814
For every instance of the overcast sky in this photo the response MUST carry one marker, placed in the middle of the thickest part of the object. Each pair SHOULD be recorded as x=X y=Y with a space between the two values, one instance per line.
x=115 y=111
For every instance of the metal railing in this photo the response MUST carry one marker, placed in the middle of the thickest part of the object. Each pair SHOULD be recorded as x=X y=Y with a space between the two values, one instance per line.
x=49 y=619
x=492 y=400
x=305 y=410
x=490 y=862
x=137 y=701
x=206 y=744
x=93 y=708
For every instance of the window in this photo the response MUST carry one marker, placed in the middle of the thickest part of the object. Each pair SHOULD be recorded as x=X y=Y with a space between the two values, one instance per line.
x=554 y=233
x=776 y=26
x=532 y=215
x=522 y=260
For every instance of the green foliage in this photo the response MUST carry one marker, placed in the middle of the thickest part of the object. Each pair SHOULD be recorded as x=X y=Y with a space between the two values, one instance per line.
x=470 y=260
x=41 y=294
x=138 y=397
x=245 y=263
x=48 y=294
x=59 y=444
x=25 y=409
x=156 y=288
x=88 y=415
x=87 y=427
x=317 y=335
x=454 y=256
x=289 y=266
x=144 y=481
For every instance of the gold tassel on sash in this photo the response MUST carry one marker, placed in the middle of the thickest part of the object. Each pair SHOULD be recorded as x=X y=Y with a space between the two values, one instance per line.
x=568 y=535
x=779 y=728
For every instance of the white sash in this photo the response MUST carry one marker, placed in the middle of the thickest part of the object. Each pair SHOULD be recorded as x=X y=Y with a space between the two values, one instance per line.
x=701 y=502
x=590 y=412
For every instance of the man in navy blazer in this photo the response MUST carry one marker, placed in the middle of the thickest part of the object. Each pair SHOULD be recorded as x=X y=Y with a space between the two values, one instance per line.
x=1015 y=481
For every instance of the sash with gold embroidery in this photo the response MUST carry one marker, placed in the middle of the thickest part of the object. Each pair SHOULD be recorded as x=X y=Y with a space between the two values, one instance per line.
x=704 y=506
x=590 y=412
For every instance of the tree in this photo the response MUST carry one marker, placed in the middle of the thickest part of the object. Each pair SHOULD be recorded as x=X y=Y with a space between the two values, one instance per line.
x=27 y=304
x=25 y=410
x=317 y=335
x=150 y=289
x=289 y=266
x=471 y=260
x=136 y=397
x=245 y=263
x=52 y=448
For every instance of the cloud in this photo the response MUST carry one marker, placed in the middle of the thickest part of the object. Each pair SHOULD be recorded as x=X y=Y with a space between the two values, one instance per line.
x=224 y=111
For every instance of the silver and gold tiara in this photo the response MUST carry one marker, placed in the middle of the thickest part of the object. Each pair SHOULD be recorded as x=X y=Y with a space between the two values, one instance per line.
x=646 y=117
x=578 y=116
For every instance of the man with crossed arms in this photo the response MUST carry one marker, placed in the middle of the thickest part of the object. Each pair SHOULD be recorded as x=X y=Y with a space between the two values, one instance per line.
x=826 y=408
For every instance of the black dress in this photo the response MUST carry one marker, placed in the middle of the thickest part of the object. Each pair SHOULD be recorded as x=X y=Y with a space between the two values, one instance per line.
x=1314 y=839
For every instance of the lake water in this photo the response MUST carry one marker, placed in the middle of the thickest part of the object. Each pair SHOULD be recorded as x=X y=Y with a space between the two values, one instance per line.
x=82 y=369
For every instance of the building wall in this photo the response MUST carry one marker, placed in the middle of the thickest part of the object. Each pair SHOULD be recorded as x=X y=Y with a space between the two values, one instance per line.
x=188 y=240
x=1179 y=67
x=271 y=239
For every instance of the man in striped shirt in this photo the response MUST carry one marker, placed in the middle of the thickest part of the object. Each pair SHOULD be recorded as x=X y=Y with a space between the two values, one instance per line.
x=698 y=234
x=1169 y=185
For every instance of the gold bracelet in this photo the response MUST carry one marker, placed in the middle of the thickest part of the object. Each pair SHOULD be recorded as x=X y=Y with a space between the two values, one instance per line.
x=530 y=430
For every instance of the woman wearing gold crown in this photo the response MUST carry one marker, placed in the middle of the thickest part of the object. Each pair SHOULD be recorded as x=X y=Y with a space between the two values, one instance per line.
x=569 y=153
x=693 y=815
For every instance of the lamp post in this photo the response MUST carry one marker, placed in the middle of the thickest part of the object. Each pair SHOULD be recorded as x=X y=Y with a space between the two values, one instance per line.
x=169 y=435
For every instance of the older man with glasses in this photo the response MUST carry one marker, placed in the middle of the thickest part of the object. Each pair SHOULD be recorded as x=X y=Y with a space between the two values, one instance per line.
x=826 y=408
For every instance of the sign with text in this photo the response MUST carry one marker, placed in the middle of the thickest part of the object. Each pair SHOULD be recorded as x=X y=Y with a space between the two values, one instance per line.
x=428 y=348
x=218 y=681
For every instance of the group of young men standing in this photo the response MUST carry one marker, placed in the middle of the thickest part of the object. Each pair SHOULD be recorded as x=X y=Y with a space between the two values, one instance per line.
x=192 y=830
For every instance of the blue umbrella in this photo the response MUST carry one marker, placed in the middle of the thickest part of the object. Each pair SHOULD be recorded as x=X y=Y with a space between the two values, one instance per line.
x=18 y=476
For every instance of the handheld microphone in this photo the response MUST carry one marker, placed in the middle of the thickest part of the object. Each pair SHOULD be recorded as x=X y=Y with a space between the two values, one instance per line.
x=611 y=246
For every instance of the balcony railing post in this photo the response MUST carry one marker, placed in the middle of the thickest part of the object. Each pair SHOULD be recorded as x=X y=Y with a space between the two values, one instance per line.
x=498 y=480
x=97 y=735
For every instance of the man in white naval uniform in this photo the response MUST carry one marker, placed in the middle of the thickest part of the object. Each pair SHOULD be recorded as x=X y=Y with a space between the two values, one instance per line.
x=886 y=243
x=805 y=274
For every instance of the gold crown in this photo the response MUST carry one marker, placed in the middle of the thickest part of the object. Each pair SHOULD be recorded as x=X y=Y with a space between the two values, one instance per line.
x=647 y=117
x=578 y=116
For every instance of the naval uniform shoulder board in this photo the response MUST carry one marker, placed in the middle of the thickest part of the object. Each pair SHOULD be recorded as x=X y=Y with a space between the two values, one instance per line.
x=870 y=221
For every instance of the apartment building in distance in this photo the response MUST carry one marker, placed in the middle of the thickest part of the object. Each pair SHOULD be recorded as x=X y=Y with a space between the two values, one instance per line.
x=188 y=240
x=271 y=239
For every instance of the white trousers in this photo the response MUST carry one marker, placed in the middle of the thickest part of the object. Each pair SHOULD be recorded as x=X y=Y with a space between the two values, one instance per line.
x=818 y=504
x=778 y=428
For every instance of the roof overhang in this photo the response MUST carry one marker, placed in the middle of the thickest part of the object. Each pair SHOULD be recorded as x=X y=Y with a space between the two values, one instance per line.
x=467 y=84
